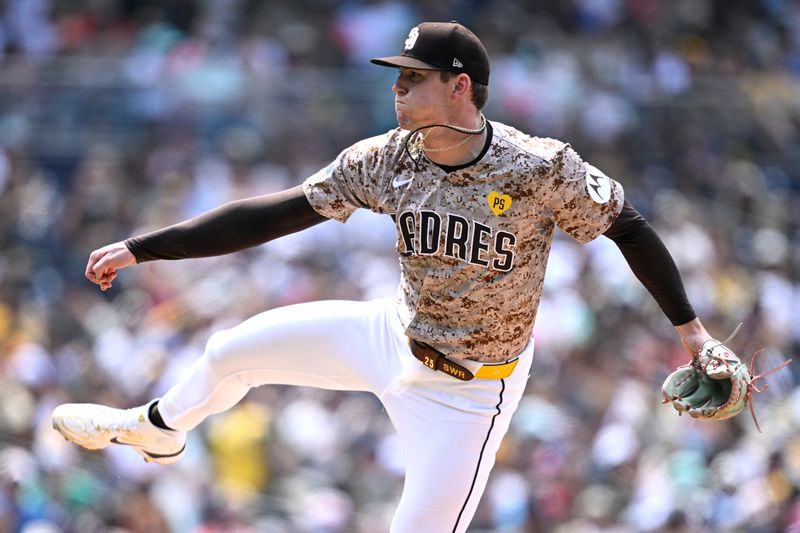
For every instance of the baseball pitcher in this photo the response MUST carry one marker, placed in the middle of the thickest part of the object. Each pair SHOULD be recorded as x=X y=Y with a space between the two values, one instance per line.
x=475 y=203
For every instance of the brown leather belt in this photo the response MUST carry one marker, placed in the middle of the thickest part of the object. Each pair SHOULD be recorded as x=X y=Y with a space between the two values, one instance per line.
x=437 y=361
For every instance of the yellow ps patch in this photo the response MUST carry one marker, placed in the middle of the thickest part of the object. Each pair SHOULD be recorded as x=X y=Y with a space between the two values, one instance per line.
x=498 y=202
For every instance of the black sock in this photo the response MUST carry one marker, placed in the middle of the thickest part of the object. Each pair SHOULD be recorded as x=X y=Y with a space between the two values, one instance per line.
x=155 y=417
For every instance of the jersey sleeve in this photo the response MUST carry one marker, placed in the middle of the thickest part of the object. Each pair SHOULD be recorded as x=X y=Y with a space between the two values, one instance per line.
x=583 y=200
x=347 y=184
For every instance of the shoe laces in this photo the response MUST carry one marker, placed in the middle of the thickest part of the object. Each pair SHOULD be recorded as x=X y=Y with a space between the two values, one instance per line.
x=129 y=422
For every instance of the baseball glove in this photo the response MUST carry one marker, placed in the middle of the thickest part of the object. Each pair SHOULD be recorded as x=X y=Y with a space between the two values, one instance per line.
x=715 y=385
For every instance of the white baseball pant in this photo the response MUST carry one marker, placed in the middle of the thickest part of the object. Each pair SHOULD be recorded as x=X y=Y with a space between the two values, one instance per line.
x=449 y=429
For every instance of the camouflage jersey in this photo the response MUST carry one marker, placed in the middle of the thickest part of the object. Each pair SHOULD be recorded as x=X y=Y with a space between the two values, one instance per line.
x=473 y=243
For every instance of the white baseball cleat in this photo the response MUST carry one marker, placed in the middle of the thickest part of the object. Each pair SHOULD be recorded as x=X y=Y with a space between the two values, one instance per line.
x=96 y=426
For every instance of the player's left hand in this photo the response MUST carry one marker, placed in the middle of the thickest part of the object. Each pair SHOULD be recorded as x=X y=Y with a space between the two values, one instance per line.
x=714 y=385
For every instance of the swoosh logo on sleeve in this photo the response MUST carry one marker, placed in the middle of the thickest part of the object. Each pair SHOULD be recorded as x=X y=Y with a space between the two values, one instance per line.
x=399 y=183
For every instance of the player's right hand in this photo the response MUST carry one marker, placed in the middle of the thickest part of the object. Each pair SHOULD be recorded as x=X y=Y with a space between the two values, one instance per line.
x=104 y=263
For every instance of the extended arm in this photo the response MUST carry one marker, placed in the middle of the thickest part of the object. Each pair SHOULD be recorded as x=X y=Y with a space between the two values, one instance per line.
x=229 y=228
x=653 y=265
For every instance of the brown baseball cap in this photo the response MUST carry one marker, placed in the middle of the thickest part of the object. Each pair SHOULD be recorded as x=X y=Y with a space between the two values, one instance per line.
x=442 y=46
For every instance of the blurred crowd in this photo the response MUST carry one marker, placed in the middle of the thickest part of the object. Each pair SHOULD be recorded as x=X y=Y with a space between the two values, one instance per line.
x=120 y=116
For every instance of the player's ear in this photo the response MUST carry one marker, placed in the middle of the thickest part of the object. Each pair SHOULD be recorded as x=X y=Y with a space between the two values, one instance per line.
x=461 y=84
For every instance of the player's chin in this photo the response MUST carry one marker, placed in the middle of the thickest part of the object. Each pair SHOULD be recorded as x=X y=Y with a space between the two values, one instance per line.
x=405 y=123
x=401 y=119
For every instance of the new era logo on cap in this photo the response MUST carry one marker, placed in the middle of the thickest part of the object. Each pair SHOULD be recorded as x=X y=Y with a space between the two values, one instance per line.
x=442 y=46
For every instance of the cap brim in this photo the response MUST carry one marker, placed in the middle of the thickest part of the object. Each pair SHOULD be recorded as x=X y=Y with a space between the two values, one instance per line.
x=403 y=61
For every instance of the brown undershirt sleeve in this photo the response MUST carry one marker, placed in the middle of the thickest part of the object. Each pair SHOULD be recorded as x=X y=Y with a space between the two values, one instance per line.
x=651 y=263
x=229 y=228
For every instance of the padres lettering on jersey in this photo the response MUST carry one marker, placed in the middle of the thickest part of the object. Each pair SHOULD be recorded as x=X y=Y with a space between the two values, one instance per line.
x=472 y=243
x=426 y=233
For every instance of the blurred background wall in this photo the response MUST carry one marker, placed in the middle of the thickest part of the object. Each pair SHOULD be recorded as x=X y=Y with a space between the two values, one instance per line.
x=120 y=116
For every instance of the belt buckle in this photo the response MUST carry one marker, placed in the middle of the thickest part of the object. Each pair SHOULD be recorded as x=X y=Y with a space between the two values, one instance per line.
x=501 y=371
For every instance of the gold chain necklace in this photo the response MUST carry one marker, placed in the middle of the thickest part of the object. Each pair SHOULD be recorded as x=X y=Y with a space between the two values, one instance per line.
x=459 y=129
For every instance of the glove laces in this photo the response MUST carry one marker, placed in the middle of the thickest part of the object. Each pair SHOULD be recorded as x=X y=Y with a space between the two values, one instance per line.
x=751 y=386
